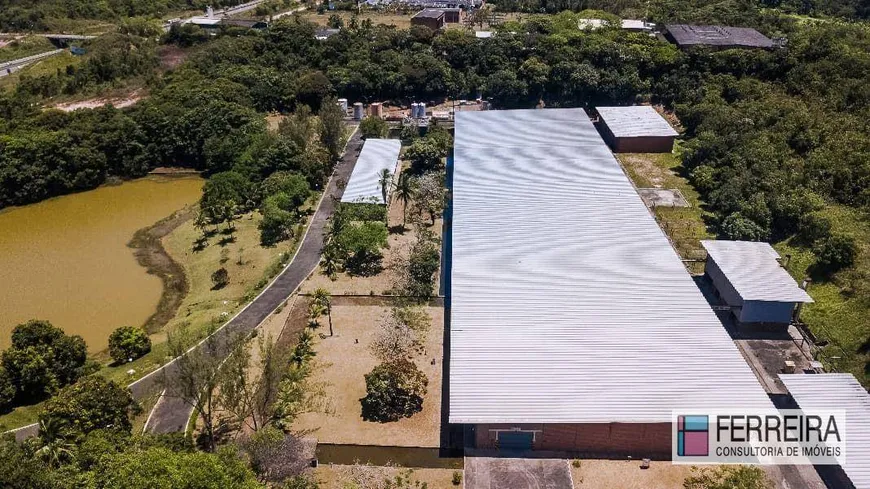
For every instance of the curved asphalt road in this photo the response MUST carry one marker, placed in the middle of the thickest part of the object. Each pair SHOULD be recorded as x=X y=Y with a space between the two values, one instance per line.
x=171 y=414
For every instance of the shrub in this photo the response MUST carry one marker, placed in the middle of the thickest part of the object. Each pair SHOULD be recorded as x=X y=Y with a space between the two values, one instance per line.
x=94 y=403
x=128 y=343
x=728 y=477
x=738 y=227
x=394 y=390
x=457 y=477
x=220 y=278
x=374 y=127
x=834 y=253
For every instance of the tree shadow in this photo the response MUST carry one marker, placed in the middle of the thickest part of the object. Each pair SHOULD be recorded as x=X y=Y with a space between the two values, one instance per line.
x=200 y=244
x=398 y=229
x=226 y=240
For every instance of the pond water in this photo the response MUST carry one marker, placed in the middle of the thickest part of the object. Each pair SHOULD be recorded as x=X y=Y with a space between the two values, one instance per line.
x=66 y=259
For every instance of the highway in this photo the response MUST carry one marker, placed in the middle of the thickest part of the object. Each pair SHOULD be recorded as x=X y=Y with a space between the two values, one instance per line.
x=10 y=67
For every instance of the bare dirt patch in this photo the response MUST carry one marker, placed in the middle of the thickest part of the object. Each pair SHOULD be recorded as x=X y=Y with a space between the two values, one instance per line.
x=342 y=361
x=627 y=474
x=117 y=102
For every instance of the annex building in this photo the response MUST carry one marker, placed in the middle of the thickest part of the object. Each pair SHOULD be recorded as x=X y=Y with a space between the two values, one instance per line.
x=574 y=325
x=364 y=184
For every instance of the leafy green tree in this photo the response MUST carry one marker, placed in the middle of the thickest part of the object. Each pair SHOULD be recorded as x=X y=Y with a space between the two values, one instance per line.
x=394 y=390
x=292 y=184
x=280 y=215
x=332 y=134
x=425 y=155
x=43 y=358
x=93 y=403
x=729 y=477
x=18 y=469
x=735 y=226
x=374 y=127
x=128 y=343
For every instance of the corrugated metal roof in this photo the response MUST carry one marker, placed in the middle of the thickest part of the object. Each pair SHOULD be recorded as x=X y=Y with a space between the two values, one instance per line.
x=431 y=13
x=568 y=304
x=635 y=121
x=716 y=35
x=839 y=392
x=376 y=155
x=753 y=270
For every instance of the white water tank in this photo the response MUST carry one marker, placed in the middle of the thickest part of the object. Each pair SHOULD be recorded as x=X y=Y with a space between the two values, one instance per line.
x=342 y=102
x=421 y=110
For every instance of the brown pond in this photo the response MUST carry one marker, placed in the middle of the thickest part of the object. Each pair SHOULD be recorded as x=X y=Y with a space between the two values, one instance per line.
x=66 y=259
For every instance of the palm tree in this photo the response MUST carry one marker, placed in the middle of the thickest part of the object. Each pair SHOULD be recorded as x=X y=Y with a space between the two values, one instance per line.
x=405 y=190
x=55 y=448
x=322 y=298
x=386 y=181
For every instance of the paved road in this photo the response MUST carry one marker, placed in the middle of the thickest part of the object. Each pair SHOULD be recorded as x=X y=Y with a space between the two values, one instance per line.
x=171 y=414
x=9 y=67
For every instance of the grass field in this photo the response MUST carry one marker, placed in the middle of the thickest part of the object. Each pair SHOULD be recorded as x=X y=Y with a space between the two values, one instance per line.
x=22 y=48
x=43 y=67
x=394 y=19
x=684 y=225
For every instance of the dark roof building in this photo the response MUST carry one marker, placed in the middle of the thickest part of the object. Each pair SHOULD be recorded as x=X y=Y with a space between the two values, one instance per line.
x=686 y=36
x=432 y=18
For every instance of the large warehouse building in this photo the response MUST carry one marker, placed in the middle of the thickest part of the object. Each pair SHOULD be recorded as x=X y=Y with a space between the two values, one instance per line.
x=573 y=324
x=364 y=184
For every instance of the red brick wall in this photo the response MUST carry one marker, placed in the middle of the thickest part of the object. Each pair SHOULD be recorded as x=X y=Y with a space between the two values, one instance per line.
x=595 y=439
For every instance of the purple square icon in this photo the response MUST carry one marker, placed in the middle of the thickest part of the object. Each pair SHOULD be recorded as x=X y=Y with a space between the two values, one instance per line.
x=696 y=443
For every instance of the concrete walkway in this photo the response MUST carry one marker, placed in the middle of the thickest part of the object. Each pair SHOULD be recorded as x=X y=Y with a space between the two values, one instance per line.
x=517 y=473
x=171 y=414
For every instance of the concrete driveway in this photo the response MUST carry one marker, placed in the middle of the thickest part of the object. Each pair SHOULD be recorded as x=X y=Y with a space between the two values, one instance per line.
x=517 y=473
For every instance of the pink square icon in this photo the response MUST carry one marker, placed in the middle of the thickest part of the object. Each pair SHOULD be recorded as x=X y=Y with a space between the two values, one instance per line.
x=696 y=443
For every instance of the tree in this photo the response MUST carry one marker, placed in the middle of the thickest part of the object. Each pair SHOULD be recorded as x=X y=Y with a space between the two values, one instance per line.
x=332 y=134
x=738 y=227
x=93 y=403
x=431 y=194
x=385 y=181
x=374 y=127
x=247 y=389
x=128 y=343
x=425 y=155
x=423 y=262
x=223 y=196
x=322 y=298
x=394 y=390
x=401 y=334
x=292 y=184
x=729 y=477
x=195 y=376
x=19 y=470
x=220 y=278
x=280 y=214
x=55 y=449
x=405 y=189
x=274 y=455
x=835 y=253
x=42 y=358
x=335 y=22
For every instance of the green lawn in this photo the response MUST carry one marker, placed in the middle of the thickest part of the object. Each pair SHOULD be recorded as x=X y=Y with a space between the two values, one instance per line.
x=25 y=47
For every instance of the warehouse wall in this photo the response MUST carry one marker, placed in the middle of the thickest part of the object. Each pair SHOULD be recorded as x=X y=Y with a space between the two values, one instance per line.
x=766 y=312
x=648 y=144
x=640 y=440
x=722 y=284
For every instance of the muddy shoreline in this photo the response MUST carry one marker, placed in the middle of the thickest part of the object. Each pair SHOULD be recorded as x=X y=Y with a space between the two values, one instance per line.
x=150 y=253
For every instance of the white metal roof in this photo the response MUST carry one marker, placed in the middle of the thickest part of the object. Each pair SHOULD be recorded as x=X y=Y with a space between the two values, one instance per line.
x=635 y=121
x=568 y=304
x=753 y=270
x=839 y=392
x=364 y=183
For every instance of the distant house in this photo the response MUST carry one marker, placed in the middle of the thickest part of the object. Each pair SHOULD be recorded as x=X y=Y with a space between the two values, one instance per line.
x=687 y=36
x=748 y=277
x=324 y=33
x=635 y=129
x=432 y=18
x=627 y=24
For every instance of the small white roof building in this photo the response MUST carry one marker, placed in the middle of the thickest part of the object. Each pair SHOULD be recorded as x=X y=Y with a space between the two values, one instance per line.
x=483 y=34
x=753 y=269
x=364 y=183
x=839 y=392
x=635 y=121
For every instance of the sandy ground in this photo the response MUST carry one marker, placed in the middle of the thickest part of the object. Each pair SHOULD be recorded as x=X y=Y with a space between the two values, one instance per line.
x=119 y=103
x=399 y=245
x=342 y=362
x=339 y=476
x=627 y=474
